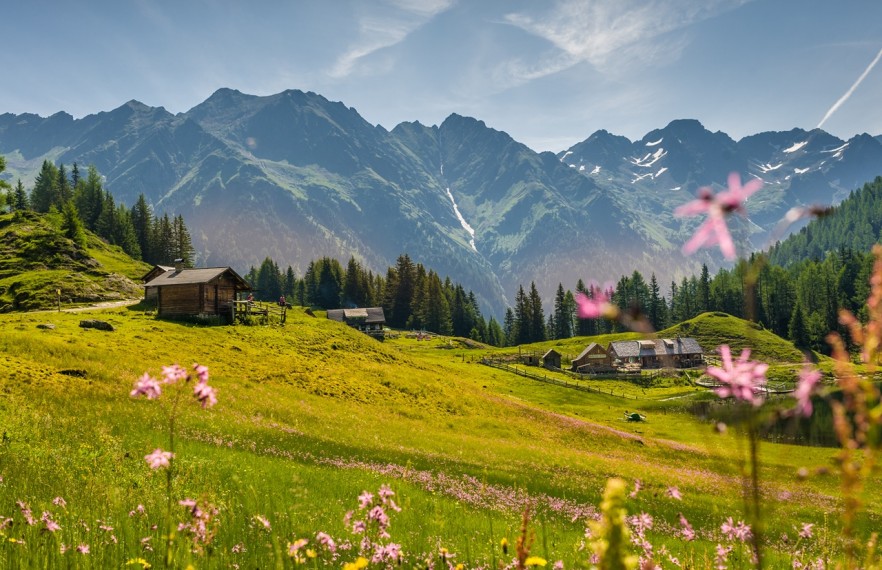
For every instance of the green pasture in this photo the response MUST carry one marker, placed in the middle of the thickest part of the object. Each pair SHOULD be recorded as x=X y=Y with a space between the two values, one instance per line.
x=311 y=414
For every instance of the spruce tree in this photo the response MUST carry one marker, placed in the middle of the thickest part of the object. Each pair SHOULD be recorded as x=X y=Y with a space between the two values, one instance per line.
x=44 y=194
x=142 y=222
x=71 y=225
x=20 y=197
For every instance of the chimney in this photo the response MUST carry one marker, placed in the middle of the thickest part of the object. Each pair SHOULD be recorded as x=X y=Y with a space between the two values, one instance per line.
x=179 y=265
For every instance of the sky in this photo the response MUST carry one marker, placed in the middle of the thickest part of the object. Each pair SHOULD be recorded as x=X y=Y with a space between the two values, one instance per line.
x=548 y=72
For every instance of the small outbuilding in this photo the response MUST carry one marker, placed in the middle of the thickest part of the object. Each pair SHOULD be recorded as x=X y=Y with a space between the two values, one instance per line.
x=370 y=320
x=150 y=294
x=593 y=358
x=551 y=359
x=195 y=292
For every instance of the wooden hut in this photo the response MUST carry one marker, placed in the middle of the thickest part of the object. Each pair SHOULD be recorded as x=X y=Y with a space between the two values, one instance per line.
x=551 y=359
x=370 y=320
x=195 y=292
x=150 y=294
x=656 y=353
x=593 y=358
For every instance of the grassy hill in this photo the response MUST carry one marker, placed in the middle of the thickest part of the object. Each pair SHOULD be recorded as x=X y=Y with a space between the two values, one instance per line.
x=36 y=261
x=311 y=414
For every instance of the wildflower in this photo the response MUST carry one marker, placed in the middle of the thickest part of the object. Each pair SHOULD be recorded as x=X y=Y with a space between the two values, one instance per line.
x=83 y=548
x=687 y=531
x=145 y=544
x=294 y=550
x=365 y=500
x=806 y=531
x=139 y=510
x=807 y=385
x=504 y=544
x=158 y=458
x=50 y=524
x=535 y=561
x=734 y=531
x=26 y=513
x=144 y=564
x=172 y=374
x=596 y=305
x=148 y=386
x=201 y=372
x=263 y=520
x=238 y=548
x=5 y=523
x=558 y=565
x=59 y=502
x=205 y=394
x=714 y=230
x=674 y=493
x=722 y=554
x=325 y=540
x=357 y=565
x=637 y=486
x=742 y=379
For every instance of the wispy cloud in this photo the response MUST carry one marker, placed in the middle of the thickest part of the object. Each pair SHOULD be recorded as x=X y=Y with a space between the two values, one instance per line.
x=603 y=33
x=851 y=89
x=390 y=24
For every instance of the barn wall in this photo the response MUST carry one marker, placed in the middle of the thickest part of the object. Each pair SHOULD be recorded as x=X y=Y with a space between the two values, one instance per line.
x=179 y=300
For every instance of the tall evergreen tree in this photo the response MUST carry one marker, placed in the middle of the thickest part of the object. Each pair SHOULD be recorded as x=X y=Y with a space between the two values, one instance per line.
x=71 y=225
x=20 y=197
x=142 y=222
x=537 y=316
x=44 y=194
x=183 y=244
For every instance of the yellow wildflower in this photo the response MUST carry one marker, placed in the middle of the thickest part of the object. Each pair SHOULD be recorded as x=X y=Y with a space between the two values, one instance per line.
x=357 y=565
x=535 y=561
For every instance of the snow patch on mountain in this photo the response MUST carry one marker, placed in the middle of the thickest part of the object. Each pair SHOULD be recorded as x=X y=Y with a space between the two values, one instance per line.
x=649 y=159
x=795 y=147
x=653 y=143
x=837 y=152
x=566 y=154
x=465 y=225
x=768 y=167
x=800 y=170
x=660 y=171
x=596 y=170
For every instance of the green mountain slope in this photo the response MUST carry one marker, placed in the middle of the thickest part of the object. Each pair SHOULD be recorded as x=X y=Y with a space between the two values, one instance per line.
x=36 y=261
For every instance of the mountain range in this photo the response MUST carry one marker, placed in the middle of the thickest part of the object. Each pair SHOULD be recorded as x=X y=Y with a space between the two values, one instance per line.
x=295 y=176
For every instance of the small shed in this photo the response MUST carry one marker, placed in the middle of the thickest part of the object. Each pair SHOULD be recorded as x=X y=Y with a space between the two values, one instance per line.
x=150 y=294
x=593 y=357
x=195 y=292
x=370 y=320
x=551 y=359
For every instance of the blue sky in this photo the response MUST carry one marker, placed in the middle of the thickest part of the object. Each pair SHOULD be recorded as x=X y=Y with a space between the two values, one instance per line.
x=549 y=73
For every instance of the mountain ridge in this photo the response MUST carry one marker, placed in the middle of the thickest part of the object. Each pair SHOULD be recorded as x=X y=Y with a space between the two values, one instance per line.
x=295 y=176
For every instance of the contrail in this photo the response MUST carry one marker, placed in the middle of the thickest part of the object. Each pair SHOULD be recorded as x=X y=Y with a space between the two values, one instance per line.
x=848 y=93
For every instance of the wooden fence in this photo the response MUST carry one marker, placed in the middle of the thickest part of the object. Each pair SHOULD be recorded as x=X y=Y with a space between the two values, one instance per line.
x=547 y=380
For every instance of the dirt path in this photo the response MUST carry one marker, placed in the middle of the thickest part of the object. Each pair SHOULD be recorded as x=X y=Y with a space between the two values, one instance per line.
x=93 y=307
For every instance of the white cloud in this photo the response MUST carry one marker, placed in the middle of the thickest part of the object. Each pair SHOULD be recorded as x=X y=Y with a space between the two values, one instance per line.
x=604 y=33
x=387 y=26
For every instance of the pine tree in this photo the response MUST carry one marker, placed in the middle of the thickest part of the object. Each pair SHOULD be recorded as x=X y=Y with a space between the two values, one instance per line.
x=65 y=192
x=509 y=328
x=71 y=225
x=537 y=316
x=797 y=330
x=20 y=197
x=45 y=192
x=142 y=222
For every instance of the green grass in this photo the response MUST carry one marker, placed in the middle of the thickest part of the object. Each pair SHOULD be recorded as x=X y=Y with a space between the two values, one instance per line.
x=313 y=413
x=37 y=261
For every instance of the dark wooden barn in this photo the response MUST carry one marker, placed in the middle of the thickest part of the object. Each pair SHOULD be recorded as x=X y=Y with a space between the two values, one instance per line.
x=150 y=294
x=656 y=353
x=195 y=292
x=551 y=359
x=593 y=358
x=370 y=320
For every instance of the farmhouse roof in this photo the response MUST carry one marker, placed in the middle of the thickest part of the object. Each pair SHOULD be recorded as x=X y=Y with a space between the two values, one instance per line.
x=550 y=352
x=196 y=277
x=371 y=315
x=657 y=347
x=156 y=270
x=588 y=350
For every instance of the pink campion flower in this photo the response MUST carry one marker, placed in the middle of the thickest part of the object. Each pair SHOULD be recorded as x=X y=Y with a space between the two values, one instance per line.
x=325 y=540
x=808 y=382
x=50 y=524
x=674 y=493
x=559 y=565
x=686 y=531
x=714 y=230
x=742 y=531
x=83 y=548
x=728 y=528
x=263 y=521
x=201 y=372
x=597 y=304
x=365 y=500
x=638 y=484
x=26 y=513
x=205 y=394
x=806 y=531
x=148 y=386
x=158 y=458
x=742 y=379
x=59 y=502
x=174 y=373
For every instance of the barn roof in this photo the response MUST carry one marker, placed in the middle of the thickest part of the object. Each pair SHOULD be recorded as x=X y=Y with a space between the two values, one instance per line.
x=550 y=353
x=657 y=347
x=371 y=315
x=588 y=350
x=196 y=277
x=156 y=270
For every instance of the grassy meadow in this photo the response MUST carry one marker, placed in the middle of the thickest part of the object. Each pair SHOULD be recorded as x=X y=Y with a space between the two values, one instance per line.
x=312 y=414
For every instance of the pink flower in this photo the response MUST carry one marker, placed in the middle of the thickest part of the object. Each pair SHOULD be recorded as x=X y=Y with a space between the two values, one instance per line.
x=201 y=372
x=365 y=500
x=674 y=493
x=83 y=549
x=205 y=394
x=146 y=386
x=806 y=531
x=807 y=385
x=728 y=528
x=597 y=304
x=637 y=486
x=158 y=458
x=263 y=521
x=59 y=502
x=687 y=531
x=174 y=373
x=714 y=230
x=325 y=540
x=743 y=379
x=51 y=525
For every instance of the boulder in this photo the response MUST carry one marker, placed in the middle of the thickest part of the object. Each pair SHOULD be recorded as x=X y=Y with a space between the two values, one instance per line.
x=95 y=324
